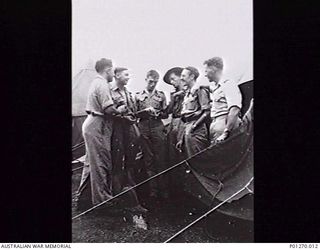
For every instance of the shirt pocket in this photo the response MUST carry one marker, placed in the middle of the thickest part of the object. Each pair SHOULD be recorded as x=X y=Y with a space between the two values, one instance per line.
x=191 y=103
x=156 y=102
x=118 y=100
x=142 y=101
x=141 y=98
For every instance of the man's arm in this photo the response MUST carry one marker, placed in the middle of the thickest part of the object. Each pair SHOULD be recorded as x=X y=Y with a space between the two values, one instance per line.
x=204 y=101
x=232 y=117
x=111 y=110
x=203 y=117
x=169 y=108
x=136 y=102
x=163 y=114
x=104 y=95
x=234 y=100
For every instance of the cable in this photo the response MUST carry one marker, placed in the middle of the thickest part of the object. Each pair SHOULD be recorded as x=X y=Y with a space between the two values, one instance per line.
x=77 y=146
x=75 y=169
x=207 y=213
x=141 y=183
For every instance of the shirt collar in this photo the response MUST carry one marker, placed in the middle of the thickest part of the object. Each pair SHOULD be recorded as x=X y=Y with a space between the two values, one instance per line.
x=115 y=87
x=100 y=76
x=147 y=92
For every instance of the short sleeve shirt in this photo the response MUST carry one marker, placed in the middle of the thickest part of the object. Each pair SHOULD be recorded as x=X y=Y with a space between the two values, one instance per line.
x=99 y=97
x=195 y=102
x=224 y=96
x=157 y=100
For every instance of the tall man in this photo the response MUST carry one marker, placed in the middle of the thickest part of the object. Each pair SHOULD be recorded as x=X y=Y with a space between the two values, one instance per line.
x=97 y=130
x=153 y=103
x=124 y=140
x=226 y=97
x=195 y=112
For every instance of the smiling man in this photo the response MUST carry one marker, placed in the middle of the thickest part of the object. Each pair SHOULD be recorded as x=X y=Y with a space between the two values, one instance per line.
x=195 y=112
x=153 y=102
x=124 y=140
x=226 y=98
x=172 y=77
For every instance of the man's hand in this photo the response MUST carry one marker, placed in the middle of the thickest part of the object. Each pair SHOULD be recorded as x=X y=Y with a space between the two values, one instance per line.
x=130 y=118
x=190 y=129
x=179 y=146
x=178 y=93
x=122 y=109
x=198 y=85
x=152 y=111
x=224 y=136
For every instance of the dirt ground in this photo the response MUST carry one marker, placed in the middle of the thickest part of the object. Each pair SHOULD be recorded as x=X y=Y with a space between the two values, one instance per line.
x=164 y=219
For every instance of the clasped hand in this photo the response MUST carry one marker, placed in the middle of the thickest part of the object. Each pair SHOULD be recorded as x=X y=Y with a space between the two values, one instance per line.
x=152 y=111
x=222 y=137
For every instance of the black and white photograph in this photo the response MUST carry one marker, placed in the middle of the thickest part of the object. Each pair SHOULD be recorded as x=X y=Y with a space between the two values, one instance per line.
x=136 y=121
x=162 y=121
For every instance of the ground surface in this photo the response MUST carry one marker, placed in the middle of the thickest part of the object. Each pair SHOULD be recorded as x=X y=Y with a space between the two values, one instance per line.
x=164 y=219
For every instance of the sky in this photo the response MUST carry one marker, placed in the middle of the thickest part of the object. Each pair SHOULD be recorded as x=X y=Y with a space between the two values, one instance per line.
x=161 y=34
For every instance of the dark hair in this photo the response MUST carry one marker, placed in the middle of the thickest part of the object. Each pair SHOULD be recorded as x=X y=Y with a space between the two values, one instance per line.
x=102 y=64
x=153 y=74
x=193 y=71
x=119 y=70
x=214 y=61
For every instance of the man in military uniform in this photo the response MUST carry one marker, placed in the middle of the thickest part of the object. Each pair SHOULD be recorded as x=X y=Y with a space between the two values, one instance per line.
x=175 y=129
x=227 y=99
x=195 y=112
x=172 y=77
x=124 y=140
x=97 y=130
x=151 y=106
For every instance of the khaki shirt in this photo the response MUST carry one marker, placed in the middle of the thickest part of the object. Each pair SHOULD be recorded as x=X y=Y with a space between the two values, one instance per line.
x=225 y=95
x=123 y=98
x=157 y=100
x=99 y=97
x=175 y=105
x=196 y=102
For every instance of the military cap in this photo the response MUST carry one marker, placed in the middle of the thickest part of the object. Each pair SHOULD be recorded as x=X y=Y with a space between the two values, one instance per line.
x=176 y=70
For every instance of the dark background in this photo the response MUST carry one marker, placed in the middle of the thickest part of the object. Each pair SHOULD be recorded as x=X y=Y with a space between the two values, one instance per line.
x=36 y=73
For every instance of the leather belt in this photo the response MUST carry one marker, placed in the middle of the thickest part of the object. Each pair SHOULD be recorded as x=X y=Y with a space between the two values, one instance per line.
x=151 y=118
x=189 y=119
x=94 y=114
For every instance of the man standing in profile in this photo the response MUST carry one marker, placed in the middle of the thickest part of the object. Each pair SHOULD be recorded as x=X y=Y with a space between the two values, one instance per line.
x=195 y=112
x=227 y=99
x=151 y=105
x=97 y=130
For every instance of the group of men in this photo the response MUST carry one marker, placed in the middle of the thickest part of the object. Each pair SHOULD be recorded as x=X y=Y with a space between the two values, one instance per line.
x=120 y=126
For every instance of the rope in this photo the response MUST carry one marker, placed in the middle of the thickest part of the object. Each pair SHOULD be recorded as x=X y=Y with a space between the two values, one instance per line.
x=207 y=213
x=77 y=146
x=141 y=183
x=75 y=169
